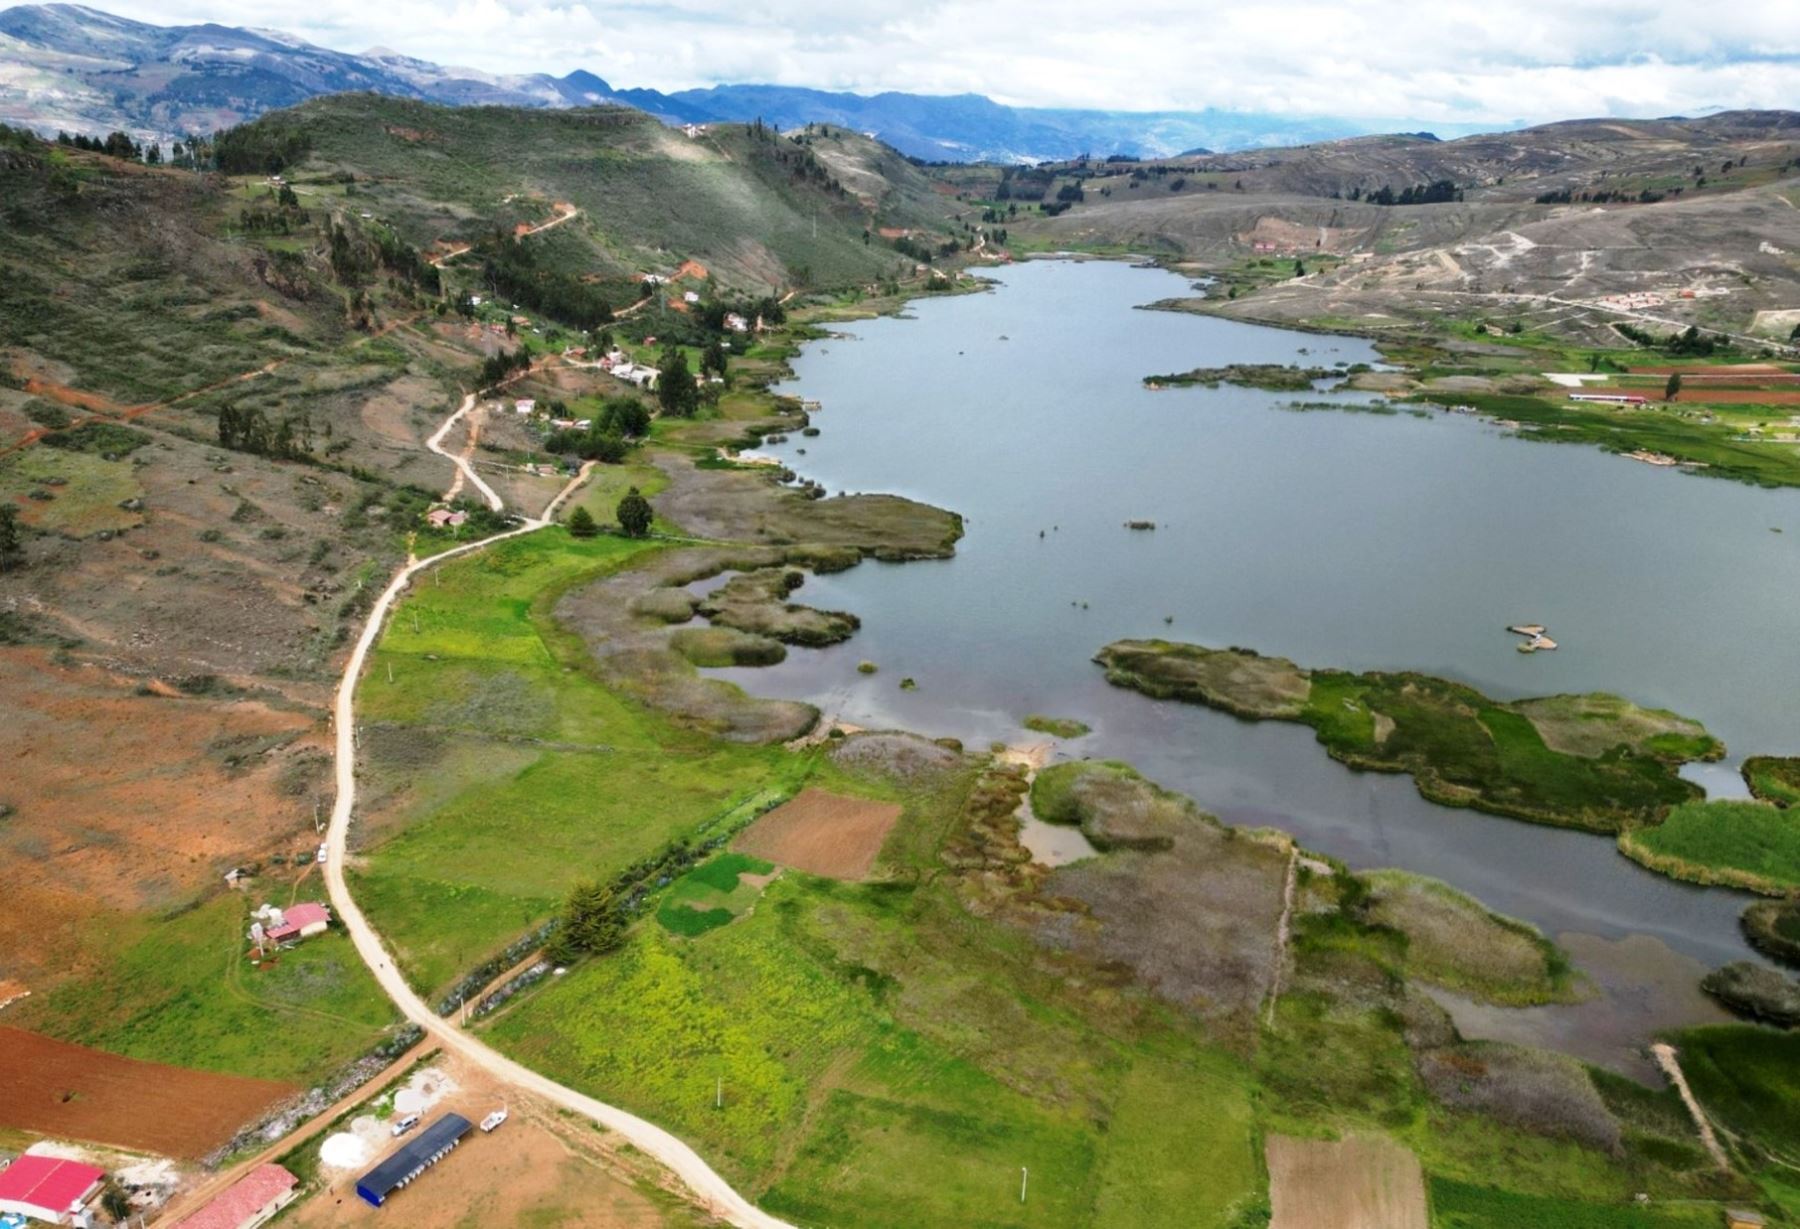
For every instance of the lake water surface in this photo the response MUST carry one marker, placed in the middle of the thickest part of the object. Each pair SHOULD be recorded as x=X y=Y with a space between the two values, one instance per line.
x=1337 y=539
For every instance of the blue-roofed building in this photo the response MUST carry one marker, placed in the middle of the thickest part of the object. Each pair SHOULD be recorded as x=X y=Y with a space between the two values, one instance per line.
x=426 y=1149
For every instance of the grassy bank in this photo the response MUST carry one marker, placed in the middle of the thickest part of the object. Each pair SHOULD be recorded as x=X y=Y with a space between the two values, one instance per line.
x=1751 y=845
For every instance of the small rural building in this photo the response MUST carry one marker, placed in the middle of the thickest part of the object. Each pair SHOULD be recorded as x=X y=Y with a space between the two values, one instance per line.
x=736 y=323
x=1739 y=1218
x=48 y=1188
x=445 y=518
x=300 y=922
x=427 y=1148
x=251 y=1201
x=524 y=405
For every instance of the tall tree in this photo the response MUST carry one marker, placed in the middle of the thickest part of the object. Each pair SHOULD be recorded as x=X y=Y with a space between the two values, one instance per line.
x=634 y=514
x=10 y=546
x=582 y=524
x=675 y=388
x=1672 y=389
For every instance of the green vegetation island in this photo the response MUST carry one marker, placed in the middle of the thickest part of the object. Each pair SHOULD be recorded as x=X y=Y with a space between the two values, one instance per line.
x=1596 y=762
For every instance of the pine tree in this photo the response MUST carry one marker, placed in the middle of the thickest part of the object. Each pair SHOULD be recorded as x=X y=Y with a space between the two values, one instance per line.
x=582 y=524
x=634 y=514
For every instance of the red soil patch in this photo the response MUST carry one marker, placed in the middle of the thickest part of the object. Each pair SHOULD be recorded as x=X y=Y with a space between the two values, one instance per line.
x=71 y=1091
x=65 y=395
x=822 y=834
x=124 y=801
x=691 y=268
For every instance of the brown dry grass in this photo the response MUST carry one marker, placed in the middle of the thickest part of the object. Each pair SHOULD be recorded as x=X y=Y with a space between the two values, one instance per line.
x=1235 y=680
x=1359 y=1183
x=1591 y=725
x=129 y=801
x=822 y=834
x=71 y=1091
x=1195 y=923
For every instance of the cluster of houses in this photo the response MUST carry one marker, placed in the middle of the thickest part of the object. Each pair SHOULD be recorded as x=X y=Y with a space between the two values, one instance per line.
x=55 y=1190
x=620 y=365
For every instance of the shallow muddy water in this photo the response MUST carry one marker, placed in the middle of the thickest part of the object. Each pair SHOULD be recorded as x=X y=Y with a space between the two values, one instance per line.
x=1352 y=540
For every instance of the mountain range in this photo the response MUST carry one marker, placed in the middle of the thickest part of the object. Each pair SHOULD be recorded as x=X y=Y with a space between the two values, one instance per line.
x=78 y=69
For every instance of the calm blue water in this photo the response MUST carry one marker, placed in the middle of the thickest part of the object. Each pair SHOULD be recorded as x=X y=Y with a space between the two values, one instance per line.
x=1336 y=539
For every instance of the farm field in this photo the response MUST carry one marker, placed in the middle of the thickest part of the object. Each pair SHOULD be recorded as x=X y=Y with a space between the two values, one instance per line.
x=823 y=834
x=74 y=1092
x=1357 y=1183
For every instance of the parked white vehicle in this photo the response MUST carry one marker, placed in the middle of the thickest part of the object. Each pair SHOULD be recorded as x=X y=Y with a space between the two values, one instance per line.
x=493 y=1120
x=405 y=1124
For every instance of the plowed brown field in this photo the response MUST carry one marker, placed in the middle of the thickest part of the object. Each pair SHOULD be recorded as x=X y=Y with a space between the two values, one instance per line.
x=1358 y=1183
x=822 y=834
x=73 y=1092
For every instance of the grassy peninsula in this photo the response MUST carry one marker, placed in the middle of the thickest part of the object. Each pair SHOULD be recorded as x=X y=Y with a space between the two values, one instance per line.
x=1587 y=761
x=1750 y=845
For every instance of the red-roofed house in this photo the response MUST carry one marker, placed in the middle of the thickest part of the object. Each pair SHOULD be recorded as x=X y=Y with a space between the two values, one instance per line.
x=300 y=922
x=253 y=1200
x=48 y=1187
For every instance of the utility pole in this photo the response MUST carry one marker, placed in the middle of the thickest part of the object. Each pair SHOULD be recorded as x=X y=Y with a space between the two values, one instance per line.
x=719 y=1095
x=1024 y=1177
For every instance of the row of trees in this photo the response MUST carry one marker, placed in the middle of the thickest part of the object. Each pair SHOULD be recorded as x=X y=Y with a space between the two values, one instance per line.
x=248 y=429
x=634 y=513
x=1437 y=192
x=512 y=269
x=496 y=367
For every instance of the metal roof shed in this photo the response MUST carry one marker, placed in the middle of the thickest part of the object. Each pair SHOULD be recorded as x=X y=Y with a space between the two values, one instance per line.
x=427 y=1148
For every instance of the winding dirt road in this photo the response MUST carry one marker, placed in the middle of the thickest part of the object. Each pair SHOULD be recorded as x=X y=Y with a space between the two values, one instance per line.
x=713 y=1191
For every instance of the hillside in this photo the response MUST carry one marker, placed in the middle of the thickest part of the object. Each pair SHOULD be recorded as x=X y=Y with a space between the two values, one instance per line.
x=759 y=211
x=1699 y=214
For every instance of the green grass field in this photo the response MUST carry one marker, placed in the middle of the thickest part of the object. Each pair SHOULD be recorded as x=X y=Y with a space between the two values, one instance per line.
x=581 y=783
x=1753 y=845
x=1464 y=1205
x=178 y=989
x=711 y=895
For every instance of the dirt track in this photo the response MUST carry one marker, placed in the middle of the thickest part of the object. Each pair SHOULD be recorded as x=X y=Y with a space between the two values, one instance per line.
x=714 y=1192
x=72 y=1092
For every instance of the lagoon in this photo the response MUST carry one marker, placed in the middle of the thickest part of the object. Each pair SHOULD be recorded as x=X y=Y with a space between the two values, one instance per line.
x=1351 y=540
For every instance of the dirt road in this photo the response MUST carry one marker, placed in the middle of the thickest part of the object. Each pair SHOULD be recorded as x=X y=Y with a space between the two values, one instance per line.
x=1665 y=1058
x=464 y=470
x=712 y=1190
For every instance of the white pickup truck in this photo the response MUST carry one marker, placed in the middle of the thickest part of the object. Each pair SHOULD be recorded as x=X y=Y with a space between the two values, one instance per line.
x=493 y=1120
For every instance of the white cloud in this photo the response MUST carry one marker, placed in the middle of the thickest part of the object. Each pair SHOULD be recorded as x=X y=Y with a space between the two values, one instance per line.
x=1451 y=61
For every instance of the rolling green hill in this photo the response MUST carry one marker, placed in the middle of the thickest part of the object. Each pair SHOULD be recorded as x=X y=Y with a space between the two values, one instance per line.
x=762 y=212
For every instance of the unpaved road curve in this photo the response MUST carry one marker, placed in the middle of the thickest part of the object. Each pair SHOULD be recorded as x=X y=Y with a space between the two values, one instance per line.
x=712 y=1190
x=466 y=471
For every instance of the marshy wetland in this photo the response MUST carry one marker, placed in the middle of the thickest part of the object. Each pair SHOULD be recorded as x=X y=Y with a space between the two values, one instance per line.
x=1353 y=542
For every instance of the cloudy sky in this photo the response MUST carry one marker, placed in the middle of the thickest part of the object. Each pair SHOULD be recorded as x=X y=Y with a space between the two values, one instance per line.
x=1431 y=60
